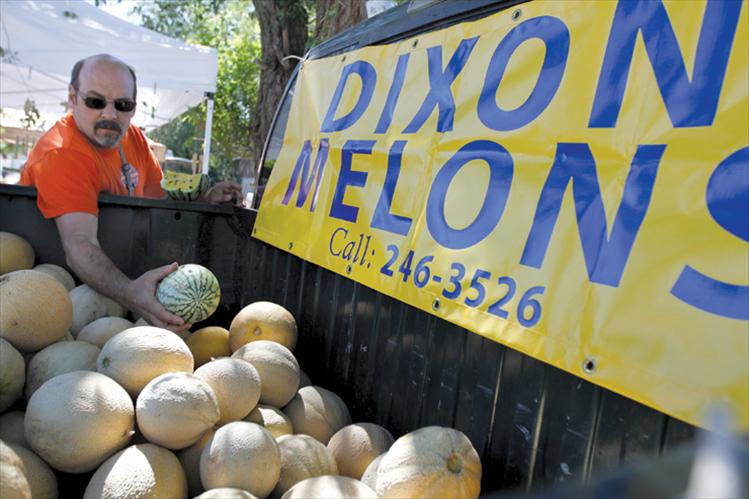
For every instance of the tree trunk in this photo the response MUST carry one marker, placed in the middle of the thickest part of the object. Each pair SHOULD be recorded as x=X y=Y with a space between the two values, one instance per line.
x=283 y=32
x=333 y=16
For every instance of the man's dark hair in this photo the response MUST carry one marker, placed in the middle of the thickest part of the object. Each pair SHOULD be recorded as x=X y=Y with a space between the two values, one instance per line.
x=76 y=73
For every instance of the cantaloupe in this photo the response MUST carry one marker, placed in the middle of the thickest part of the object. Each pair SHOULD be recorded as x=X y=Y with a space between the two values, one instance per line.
x=175 y=409
x=13 y=478
x=102 y=329
x=189 y=457
x=330 y=487
x=272 y=419
x=35 y=310
x=15 y=253
x=12 y=374
x=302 y=457
x=241 y=455
x=76 y=420
x=11 y=428
x=144 y=470
x=139 y=354
x=41 y=479
x=430 y=462
x=114 y=309
x=208 y=343
x=369 y=477
x=263 y=320
x=317 y=412
x=236 y=384
x=59 y=358
x=356 y=445
x=59 y=273
x=89 y=305
x=278 y=368
x=226 y=493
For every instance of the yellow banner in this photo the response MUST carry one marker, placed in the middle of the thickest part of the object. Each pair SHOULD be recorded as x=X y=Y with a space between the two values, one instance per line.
x=570 y=179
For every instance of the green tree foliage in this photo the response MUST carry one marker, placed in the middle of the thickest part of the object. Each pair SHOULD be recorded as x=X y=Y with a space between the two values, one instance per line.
x=31 y=114
x=250 y=61
x=231 y=28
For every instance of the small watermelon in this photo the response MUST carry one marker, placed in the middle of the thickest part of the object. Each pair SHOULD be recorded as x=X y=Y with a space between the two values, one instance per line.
x=191 y=292
x=185 y=186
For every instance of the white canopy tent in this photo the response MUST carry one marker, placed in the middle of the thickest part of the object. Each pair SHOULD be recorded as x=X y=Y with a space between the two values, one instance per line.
x=41 y=40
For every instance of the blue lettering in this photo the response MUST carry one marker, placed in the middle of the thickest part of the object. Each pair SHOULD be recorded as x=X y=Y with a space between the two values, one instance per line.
x=440 y=94
x=368 y=76
x=688 y=104
x=302 y=166
x=349 y=177
x=556 y=37
x=395 y=90
x=382 y=218
x=500 y=171
x=332 y=238
x=605 y=257
x=727 y=199
x=727 y=194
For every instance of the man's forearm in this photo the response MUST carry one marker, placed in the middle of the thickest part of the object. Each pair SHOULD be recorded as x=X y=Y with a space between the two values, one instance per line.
x=93 y=267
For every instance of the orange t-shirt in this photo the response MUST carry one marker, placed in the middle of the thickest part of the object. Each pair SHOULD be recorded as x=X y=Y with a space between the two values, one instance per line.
x=69 y=173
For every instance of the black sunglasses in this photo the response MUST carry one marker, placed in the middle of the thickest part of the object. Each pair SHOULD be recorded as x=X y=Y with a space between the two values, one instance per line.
x=121 y=105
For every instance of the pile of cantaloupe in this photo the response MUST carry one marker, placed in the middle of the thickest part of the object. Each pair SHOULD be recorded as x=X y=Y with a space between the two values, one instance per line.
x=224 y=413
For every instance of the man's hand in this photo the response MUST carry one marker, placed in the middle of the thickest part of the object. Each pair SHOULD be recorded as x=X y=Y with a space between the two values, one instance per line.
x=224 y=192
x=142 y=300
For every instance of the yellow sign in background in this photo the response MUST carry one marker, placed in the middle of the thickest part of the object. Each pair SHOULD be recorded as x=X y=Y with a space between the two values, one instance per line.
x=570 y=179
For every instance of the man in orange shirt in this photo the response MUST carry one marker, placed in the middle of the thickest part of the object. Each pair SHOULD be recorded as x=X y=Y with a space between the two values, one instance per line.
x=95 y=149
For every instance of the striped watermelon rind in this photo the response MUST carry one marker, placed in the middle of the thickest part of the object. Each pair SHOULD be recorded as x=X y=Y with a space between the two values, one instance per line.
x=192 y=292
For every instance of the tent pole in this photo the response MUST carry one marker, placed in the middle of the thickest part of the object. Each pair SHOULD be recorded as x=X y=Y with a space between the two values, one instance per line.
x=208 y=126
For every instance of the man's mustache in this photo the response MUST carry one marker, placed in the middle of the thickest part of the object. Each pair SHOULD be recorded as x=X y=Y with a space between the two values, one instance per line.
x=108 y=125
